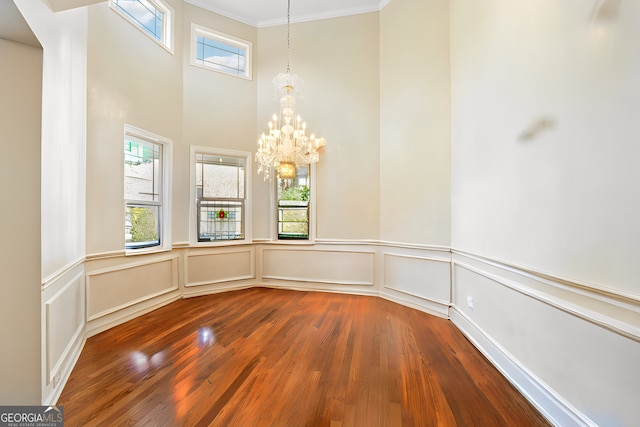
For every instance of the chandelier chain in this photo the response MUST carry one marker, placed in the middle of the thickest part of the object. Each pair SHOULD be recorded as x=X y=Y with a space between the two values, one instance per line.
x=288 y=36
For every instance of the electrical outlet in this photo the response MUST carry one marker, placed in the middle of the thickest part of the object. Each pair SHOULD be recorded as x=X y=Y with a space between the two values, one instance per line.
x=470 y=302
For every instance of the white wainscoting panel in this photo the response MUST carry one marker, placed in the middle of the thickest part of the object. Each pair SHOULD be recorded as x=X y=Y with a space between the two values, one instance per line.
x=552 y=406
x=563 y=350
x=218 y=266
x=63 y=328
x=115 y=288
x=422 y=277
x=65 y=322
x=337 y=267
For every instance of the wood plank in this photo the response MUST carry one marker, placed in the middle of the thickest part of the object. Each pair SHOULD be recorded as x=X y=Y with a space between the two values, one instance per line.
x=272 y=357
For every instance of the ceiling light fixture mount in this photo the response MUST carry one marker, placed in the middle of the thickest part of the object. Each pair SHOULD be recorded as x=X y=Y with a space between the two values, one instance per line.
x=286 y=147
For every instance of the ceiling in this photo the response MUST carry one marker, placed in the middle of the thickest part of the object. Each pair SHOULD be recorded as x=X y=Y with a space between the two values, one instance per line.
x=13 y=26
x=258 y=13
x=264 y=13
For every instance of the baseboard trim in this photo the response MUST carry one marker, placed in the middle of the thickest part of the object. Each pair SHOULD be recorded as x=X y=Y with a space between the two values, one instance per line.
x=106 y=322
x=433 y=307
x=192 y=293
x=346 y=291
x=324 y=281
x=53 y=397
x=551 y=405
x=275 y=286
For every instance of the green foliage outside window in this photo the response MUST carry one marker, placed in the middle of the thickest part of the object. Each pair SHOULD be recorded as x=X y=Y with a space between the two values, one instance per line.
x=143 y=225
x=300 y=192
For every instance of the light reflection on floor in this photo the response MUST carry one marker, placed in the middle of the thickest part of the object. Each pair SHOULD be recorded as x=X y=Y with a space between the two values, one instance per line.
x=184 y=379
x=205 y=337
x=141 y=362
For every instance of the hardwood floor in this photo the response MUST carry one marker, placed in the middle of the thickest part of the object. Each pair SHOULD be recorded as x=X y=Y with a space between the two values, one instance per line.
x=269 y=357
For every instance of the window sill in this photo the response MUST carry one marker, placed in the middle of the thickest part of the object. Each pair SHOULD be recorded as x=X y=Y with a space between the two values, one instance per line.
x=214 y=243
x=147 y=251
x=292 y=242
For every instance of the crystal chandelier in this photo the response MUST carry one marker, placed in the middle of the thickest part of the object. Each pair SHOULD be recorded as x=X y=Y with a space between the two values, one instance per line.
x=286 y=146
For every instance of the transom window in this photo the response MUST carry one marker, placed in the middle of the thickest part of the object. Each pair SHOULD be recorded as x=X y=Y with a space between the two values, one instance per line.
x=153 y=17
x=220 y=183
x=220 y=52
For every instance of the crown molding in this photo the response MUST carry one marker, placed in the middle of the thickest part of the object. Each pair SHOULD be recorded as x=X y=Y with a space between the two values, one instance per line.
x=336 y=13
x=203 y=4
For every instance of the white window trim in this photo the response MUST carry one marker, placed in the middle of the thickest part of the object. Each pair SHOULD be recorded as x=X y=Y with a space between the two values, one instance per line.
x=248 y=223
x=166 y=242
x=198 y=30
x=312 y=211
x=167 y=25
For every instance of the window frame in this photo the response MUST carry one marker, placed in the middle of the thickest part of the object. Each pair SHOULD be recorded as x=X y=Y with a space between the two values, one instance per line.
x=164 y=204
x=193 y=204
x=312 y=210
x=199 y=30
x=168 y=25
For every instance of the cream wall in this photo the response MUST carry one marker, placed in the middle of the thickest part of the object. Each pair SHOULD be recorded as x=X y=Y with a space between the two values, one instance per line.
x=20 y=115
x=415 y=160
x=131 y=80
x=219 y=110
x=544 y=127
x=145 y=86
x=338 y=59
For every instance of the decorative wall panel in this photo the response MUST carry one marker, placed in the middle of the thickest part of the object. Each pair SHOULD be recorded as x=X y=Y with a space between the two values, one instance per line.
x=206 y=268
x=422 y=277
x=64 y=318
x=115 y=288
x=319 y=266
